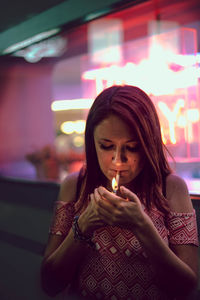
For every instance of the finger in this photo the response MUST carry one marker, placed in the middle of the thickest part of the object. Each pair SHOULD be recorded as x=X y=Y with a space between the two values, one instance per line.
x=99 y=205
x=105 y=194
x=105 y=206
x=102 y=211
x=126 y=193
x=92 y=197
x=97 y=194
x=100 y=201
x=93 y=201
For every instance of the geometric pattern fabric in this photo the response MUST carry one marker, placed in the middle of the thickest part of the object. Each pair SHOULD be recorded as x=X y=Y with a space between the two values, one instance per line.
x=118 y=268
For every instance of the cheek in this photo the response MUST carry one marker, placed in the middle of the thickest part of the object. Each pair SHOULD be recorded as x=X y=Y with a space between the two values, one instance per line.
x=103 y=159
x=137 y=162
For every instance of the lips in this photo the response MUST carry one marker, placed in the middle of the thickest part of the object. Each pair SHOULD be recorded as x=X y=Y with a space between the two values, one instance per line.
x=119 y=170
x=113 y=173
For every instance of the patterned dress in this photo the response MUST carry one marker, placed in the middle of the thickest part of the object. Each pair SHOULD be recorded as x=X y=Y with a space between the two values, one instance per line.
x=118 y=268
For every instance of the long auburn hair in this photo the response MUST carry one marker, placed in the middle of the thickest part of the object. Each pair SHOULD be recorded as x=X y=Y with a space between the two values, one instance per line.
x=134 y=107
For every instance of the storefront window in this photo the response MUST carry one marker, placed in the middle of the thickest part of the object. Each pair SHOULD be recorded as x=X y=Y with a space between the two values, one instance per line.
x=155 y=51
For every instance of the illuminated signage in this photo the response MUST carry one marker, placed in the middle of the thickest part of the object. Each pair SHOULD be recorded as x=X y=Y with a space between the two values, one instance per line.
x=178 y=110
x=153 y=78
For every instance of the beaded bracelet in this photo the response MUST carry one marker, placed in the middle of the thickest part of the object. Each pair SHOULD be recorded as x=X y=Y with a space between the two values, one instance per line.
x=78 y=235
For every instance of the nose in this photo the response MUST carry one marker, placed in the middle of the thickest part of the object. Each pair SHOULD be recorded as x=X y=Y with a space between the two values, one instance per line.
x=119 y=157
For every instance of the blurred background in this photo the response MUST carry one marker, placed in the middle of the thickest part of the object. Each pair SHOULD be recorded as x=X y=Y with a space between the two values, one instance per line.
x=56 y=56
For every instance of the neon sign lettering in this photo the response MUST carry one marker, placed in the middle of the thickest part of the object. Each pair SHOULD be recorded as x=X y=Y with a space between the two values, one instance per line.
x=164 y=80
x=171 y=116
x=179 y=116
x=176 y=119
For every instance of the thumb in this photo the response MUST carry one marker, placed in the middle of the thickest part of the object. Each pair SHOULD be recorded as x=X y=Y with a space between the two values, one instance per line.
x=126 y=193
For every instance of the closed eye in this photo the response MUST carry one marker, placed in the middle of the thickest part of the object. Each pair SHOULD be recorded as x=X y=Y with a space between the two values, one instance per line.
x=129 y=148
x=133 y=149
x=102 y=146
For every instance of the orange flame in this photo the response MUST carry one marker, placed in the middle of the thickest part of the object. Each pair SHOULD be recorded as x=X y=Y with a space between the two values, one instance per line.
x=115 y=183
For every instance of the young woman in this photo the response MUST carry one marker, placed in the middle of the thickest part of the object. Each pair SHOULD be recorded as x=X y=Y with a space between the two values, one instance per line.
x=138 y=243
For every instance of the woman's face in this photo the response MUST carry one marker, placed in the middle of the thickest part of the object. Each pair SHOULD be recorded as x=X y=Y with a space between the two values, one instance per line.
x=117 y=150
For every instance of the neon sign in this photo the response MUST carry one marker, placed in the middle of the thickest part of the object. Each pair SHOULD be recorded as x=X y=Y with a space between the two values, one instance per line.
x=178 y=119
x=176 y=116
x=166 y=66
x=163 y=81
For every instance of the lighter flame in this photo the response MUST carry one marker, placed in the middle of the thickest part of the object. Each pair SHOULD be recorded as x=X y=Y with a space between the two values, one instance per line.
x=115 y=183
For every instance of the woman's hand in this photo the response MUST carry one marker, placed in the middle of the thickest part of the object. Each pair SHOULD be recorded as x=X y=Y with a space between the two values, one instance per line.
x=106 y=208
x=90 y=220
x=122 y=210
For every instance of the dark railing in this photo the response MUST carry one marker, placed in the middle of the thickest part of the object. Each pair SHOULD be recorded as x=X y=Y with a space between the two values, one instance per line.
x=25 y=215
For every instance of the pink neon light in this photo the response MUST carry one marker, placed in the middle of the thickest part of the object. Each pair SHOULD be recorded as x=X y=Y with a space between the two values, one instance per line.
x=164 y=80
x=170 y=75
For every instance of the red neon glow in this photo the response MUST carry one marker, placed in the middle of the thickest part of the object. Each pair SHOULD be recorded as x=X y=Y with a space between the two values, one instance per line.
x=178 y=119
x=169 y=73
x=132 y=74
x=164 y=80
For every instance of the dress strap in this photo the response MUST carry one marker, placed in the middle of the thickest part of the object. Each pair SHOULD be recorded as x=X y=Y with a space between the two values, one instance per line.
x=183 y=228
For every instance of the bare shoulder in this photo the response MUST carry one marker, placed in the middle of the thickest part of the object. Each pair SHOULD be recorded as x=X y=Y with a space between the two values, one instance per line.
x=68 y=188
x=177 y=194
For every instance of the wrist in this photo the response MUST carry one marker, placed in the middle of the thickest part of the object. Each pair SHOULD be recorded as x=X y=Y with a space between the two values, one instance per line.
x=144 y=226
x=141 y=222
x=79 y=235
x=82 y=224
